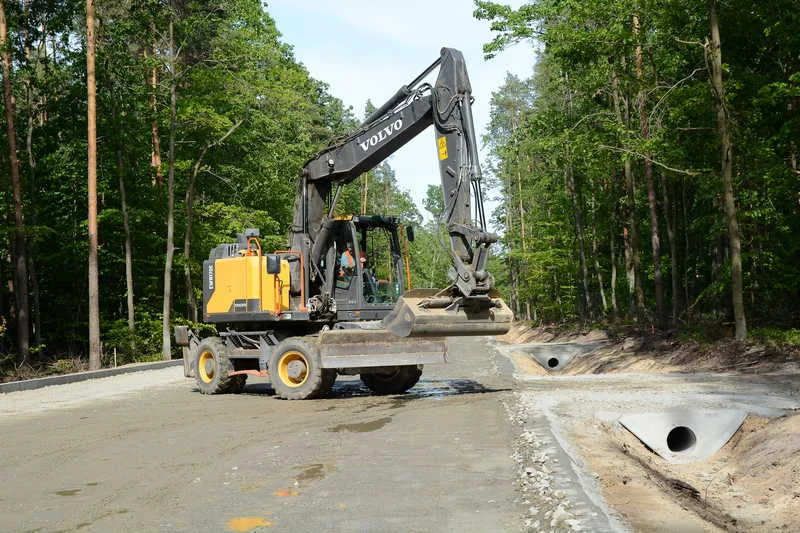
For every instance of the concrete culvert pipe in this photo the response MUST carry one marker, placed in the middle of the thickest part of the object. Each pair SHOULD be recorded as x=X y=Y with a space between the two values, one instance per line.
x=681 y=439
x=684 y=435
x=554 y=356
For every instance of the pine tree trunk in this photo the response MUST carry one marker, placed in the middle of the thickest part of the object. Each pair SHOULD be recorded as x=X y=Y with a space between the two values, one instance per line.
x=673 y=253
x=32 y=189
x=20 y=252
x=595 y=254
x=630 y=230
x=686 y=245
x=166 y=338
x=612 y=244
x=94 y=290
x=364 y=192
x=36 y=313
x=155 y=138
x=191 y=305
x=577 y=214
x=127 y=229
x=521 y=212
x=631 y=234
x=729 y=200
x=644 y=126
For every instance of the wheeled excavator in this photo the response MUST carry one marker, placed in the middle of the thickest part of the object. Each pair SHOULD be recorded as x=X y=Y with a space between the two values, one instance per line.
x=335 y=302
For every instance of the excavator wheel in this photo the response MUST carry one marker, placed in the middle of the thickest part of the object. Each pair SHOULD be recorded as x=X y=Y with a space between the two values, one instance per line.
x=296 y=372
x=397 y=381
x=212 y=368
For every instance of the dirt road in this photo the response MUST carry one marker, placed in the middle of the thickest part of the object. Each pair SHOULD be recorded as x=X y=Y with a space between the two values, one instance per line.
x=145 y=452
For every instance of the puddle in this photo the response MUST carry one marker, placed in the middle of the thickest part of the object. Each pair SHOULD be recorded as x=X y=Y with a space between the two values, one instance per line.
x=69 y=492
x=399 y=402
x=362 y=427
x=248 y=523
x=312 y=473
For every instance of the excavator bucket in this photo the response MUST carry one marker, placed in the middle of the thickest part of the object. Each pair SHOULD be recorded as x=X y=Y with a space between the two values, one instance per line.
x=433 y=312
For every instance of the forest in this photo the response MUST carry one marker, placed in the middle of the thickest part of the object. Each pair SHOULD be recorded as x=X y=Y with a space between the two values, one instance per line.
x=647 y=171
x=649 y=168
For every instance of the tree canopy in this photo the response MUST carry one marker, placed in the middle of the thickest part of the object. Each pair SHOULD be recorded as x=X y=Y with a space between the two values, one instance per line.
x=609 y=159
x=647 y=170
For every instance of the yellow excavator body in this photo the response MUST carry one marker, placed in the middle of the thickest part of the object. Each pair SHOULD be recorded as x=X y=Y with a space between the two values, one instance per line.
x=242 y=285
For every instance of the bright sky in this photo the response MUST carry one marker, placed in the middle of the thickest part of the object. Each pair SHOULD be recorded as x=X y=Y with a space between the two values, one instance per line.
x=366 y=49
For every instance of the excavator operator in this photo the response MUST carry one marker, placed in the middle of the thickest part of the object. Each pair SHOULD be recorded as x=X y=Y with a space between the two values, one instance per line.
x=347 y=262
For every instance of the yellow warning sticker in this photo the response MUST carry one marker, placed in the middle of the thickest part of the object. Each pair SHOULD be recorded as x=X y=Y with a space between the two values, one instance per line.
x=442 y=142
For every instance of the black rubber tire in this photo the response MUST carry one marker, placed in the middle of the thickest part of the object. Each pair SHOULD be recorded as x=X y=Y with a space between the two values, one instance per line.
x=211 y=367
x=237 y=383
x=398 y=381
x=306 y=379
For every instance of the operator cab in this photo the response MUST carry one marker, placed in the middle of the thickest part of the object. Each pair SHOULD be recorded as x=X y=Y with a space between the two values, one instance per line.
x=369 y=266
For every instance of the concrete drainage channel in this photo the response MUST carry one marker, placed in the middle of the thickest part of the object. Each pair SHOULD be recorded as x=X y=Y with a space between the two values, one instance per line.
x=38 y=383
x=687 y=435
x=672 y=452
x=556 y=356
x=678 y=436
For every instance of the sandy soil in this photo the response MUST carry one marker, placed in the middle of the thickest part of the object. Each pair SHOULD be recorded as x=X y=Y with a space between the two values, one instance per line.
x=658 y=353
x=751 y=484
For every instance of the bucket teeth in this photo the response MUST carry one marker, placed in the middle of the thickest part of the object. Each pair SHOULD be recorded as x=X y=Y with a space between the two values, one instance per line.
x=426 y=312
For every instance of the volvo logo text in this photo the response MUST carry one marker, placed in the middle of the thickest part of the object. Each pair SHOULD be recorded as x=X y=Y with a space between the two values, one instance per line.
x=382 y=135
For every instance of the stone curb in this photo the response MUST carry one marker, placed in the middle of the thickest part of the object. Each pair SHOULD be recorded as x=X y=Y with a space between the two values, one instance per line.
x=38 y=383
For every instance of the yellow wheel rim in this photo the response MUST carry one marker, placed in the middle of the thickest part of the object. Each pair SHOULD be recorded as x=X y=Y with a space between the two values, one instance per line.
x=206 y=367
x=293 y=368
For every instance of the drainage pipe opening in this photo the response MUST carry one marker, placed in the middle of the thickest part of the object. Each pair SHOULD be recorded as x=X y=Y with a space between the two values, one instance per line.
x=552 y=362
x=680 y=439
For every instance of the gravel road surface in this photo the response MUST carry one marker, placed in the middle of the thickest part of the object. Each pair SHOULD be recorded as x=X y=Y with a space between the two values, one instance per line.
x=146 y=452
x=479 y=445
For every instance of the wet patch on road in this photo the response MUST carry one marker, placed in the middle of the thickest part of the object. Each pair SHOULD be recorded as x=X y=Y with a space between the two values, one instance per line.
x=68 y=492
x=83 y=525
x=312 y=473
x=422 y=390
x=362 y=427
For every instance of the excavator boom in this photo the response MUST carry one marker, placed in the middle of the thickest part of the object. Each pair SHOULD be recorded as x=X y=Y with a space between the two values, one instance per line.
x=469 y=305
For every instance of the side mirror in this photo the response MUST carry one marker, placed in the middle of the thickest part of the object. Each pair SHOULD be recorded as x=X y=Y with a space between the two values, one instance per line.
x=410 y=233
x=273 y=264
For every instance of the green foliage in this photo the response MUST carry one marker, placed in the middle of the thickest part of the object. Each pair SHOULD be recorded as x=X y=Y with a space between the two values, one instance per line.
x=249 y=115
x=783 y=336
x=144 y=343
x=581 y=115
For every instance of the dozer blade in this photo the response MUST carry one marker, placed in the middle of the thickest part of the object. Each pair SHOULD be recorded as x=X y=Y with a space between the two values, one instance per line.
x=433 y=312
